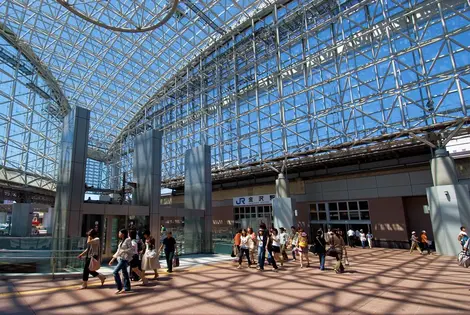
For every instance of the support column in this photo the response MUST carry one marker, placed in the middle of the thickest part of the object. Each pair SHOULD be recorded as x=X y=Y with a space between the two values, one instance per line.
x=147 y=175
x=283 y=205
x=198 y=196
x=21 y=217
x=449 y=203
x=71 y=180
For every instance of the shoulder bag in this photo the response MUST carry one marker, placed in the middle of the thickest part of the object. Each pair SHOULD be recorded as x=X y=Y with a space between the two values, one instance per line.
x=95 y=264
x=332 y=250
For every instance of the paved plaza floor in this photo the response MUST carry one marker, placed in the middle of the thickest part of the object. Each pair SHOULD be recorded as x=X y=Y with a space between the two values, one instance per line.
x=378 y=281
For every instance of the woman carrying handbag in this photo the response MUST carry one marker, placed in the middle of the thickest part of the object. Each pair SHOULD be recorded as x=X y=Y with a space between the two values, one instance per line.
x=150 y=257
x=92 y=259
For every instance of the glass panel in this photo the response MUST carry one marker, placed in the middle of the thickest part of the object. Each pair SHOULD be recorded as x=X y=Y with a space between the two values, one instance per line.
x=334 y=215
x=333 y=206
x=343 y=215
x=354 y=215
x=353 y=205
x=313 y=208
x=313 y=216
x=237 y=210
x=321 y=207
x=322 y=216
x=342 y=206
x=365 y=215
x=363 y=205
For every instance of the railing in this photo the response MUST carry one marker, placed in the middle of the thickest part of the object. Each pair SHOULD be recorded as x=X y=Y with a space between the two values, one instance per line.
x=38 y=255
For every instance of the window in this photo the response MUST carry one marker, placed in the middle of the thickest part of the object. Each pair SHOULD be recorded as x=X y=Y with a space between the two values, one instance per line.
x=340 y=211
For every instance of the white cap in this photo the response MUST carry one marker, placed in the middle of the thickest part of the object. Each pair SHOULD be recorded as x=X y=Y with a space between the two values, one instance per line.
x=413 y=232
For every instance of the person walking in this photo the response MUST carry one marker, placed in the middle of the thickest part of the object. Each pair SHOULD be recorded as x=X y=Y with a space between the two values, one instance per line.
x=357 y=236
x=275 y=248
x=424 y=241
x=369 y=237
x=135 y=261
x=415 y=243
x=351 y=236
x=320 y=248
x=245 y=241
x=150 y=256
x=92 y=251
x=123 y=255
x=337 y=242
x=303 y=247
x=294 y=241
x=236 y=243
x=362 y=237
x=169 y=243
x=262 y=243
x=252 y=244
x=462 y=237
x=283 y=237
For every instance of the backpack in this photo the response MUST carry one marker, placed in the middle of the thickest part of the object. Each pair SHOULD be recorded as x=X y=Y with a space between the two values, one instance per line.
x=464 y=240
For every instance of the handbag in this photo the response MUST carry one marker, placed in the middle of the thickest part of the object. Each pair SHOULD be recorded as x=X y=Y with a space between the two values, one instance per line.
x=176 y=261
x=464 y=259
x=94 y=264
x=151 y=254
x=332 y=252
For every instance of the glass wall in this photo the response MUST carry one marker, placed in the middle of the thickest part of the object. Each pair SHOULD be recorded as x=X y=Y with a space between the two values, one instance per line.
x=313 y=75
x=29 y=127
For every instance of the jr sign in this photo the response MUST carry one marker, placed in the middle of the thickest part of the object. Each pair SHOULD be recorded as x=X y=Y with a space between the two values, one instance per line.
x=253 y=200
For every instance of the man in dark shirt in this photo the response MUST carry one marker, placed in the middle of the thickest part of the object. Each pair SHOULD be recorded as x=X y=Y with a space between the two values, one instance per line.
x=169 y=243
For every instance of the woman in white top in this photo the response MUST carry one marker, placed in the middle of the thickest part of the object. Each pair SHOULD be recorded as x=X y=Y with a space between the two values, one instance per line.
x=150 y=255
x=123 y=255
x=92 y=250
x=369 y=239
x=283 y=240
x=135 y=261
x=245 y=242
x=363 y=238
x=252 y=244
x=276 y=247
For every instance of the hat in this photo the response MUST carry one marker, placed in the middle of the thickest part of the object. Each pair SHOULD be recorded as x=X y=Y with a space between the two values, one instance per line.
x=304 y=234
x=413 y=232
x=423 y=231
x=360 y=230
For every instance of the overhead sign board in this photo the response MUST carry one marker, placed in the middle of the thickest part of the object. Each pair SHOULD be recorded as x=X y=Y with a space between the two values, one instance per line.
x=253 y=200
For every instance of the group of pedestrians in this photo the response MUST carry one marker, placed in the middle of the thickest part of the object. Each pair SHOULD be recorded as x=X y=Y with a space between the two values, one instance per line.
x=420 y=242
x=359 y=237
x=132 y=255
x=271 y=247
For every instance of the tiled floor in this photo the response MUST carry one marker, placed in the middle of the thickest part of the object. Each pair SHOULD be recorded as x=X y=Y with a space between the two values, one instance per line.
x=378 y=281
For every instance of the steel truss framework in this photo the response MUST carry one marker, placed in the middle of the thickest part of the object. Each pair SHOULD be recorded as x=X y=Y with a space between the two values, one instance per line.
x=110 y=73
x=31 y=108
x=309 y=76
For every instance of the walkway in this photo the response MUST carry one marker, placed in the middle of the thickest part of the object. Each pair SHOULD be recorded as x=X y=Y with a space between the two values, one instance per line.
x=379 y=281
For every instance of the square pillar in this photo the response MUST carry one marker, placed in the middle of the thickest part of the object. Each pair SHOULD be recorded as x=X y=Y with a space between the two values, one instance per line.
x=449 y=208
x=70 y=190
x=283 y=213
x=198 y=195
x=147 y=174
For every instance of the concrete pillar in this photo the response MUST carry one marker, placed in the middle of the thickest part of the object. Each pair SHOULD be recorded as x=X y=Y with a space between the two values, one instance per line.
x=198 y=195
x=283 y=213
x=282 y=187
x=21 y=219
x=70 y=190
x=449 y=204
x=147 y=175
